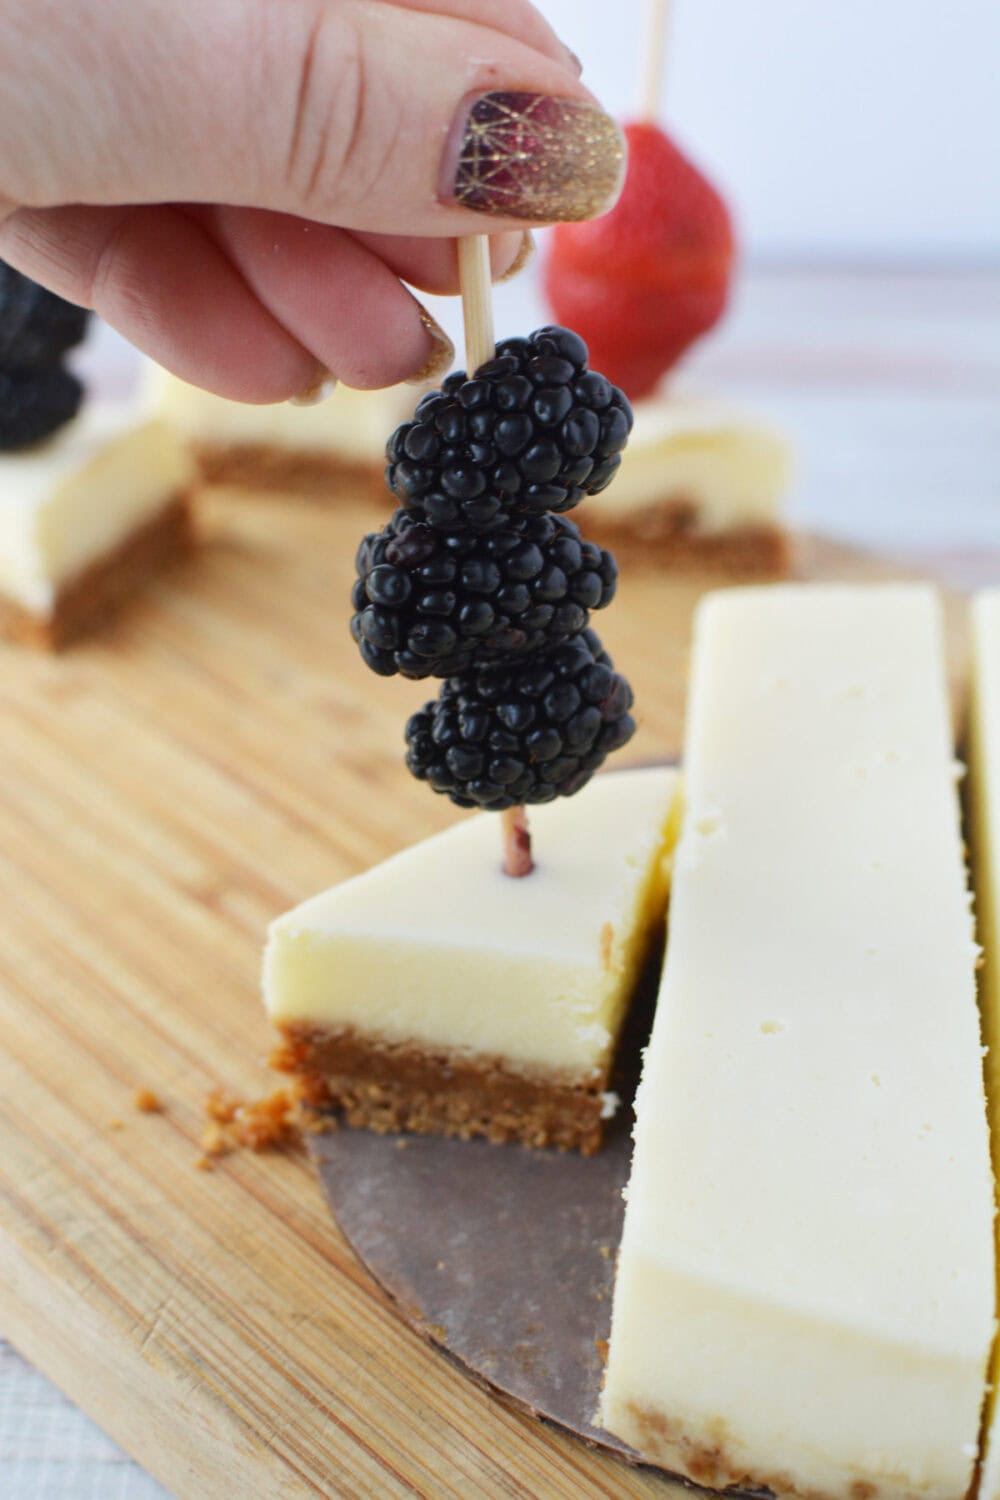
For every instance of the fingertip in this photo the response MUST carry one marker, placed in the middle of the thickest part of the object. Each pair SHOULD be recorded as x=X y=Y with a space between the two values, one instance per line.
x=504 y=268
x=441 y=356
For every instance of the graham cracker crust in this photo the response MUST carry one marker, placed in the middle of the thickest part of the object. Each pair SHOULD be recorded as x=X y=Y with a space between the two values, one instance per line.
x=708 y=1463
x=668 y=535
x=391 y=1086
x=267 y=466
x=100 y=587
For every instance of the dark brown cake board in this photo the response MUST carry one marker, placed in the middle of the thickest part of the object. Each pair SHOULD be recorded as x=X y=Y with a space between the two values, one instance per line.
x=503 y=1256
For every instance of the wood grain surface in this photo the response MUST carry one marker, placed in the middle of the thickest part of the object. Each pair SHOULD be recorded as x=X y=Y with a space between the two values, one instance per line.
x=165 y=789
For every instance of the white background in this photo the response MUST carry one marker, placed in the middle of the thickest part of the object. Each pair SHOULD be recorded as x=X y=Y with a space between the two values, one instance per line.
x=839 y=129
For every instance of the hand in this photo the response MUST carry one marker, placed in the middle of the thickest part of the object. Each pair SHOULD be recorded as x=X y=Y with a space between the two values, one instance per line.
x=241 y=186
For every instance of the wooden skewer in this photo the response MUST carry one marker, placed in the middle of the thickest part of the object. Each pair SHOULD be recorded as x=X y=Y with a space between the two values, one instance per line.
x=480 y=345
x=654 y=37
x=477 y=299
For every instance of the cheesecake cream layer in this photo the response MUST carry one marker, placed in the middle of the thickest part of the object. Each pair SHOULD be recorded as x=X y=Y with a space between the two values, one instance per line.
x=69 y=502
x=984 y=810
x=729 y=470
x=805 y=1288
x=350 y=426
x=438 y=950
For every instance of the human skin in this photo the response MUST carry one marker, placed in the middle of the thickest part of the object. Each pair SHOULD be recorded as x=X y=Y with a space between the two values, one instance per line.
x=241 y=187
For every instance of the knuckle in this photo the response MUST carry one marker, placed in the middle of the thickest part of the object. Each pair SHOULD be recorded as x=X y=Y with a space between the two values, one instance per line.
x=328 y=147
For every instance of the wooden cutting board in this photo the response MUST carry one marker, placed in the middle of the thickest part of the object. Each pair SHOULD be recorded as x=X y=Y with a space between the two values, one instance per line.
x=218 y=754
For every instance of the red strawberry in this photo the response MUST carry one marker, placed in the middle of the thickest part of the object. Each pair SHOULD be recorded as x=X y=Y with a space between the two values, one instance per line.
x=642 y=282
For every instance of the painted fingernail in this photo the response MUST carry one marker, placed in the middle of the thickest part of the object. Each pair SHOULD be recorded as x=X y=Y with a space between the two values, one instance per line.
x=530 y=156
x=523 y=258
x=320 y=387
x=441 y=357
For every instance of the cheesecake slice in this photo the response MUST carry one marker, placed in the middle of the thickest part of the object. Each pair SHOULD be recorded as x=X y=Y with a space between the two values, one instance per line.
x=804 y=1297
x=701 y=485
x=984 y=818
x=86 y=518
x=437 y=994
x=304 y=449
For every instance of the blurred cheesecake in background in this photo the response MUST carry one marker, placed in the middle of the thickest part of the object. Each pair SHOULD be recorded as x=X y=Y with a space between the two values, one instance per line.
x=306 y=449
x=701 y=486
x=86 y=517
x=93 y=502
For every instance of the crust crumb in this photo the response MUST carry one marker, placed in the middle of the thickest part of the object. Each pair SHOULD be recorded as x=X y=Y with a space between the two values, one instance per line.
x=269 y=1124
x=146 y=1102
x=285 y=1057
x=277 y=1122
x=221 y=1106
x=601 y=1345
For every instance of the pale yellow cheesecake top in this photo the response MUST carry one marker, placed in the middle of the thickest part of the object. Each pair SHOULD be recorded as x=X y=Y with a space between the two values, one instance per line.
x=733 y=468
x=806 y=1284
x=354 y=425
x=437 y=946
x=67 y=501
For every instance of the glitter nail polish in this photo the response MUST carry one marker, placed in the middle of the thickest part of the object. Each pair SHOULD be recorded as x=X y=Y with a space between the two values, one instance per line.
x=530 y=156
x=441 y=357
x=320 y=388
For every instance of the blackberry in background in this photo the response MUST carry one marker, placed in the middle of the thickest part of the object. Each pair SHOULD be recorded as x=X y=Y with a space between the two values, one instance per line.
x=37 y=395
x=530 y=732
x=532 y=431
x=433 y=603
x=36 y=327
x=34 y=404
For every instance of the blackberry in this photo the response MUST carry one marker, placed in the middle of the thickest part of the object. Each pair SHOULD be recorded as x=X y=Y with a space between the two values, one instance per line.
x=36 y=326
x=436 y=603
x=534 y=430
x=34 y=403
x=502 y=736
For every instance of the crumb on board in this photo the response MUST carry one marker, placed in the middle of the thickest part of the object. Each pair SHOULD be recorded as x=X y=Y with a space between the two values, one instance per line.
x=601 y=1345
x=221 y=1106
x=276 y=1122
x=146 y=1102
x=116 y=1124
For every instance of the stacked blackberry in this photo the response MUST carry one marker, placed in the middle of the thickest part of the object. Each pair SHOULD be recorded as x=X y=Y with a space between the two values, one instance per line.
x=481 y=579
x=37 y=393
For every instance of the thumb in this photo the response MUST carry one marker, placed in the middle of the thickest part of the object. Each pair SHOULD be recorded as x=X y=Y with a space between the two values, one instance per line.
x=369 y=115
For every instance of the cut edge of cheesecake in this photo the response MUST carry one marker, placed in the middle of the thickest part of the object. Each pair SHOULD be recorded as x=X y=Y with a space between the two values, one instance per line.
x=502 y=1021
x=982 y=797
x=112 y=554
x=695 y=1317
x=668 y=534
x=283 y=447
x=92 y=594
x=700 y=488
x=310 y=472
